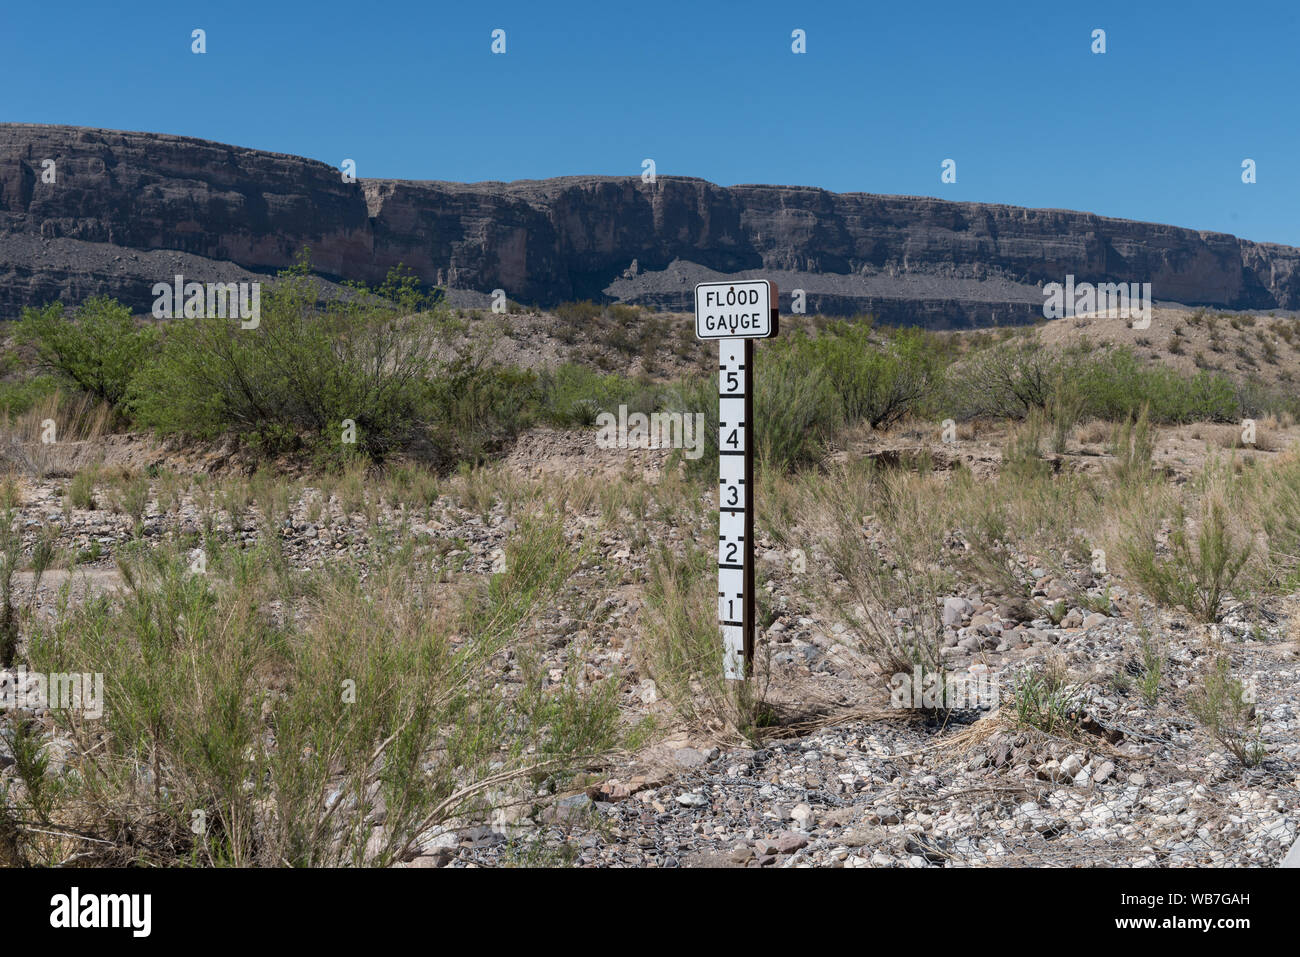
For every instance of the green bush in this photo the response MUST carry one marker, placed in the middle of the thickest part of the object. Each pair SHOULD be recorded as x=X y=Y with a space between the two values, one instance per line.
x=795 y=412
x=288 y=740
x=578 y=312
x=474 y=409
x=305 y=369
x=1111 y=382
x=1225 y=708
x=99 y=349
x=17 y=396
x=1208 y=550
x=807 y=387
x=574 y=395
x=1116 y=384
x=876 y=383
x=681 y=651
x=1007 y=380
x=795 y=409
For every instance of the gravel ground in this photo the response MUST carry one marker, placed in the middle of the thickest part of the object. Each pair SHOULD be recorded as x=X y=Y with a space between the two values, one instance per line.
x=843 y=779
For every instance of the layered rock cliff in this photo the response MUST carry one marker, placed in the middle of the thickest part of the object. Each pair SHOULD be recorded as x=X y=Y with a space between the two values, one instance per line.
x=126 y=210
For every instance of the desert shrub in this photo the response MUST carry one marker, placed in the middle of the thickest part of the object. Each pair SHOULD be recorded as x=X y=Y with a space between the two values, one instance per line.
x=584 y=311
x=624 y=314
x=11 y=551
x=1045 y=699
x=25 y=439
x=695 y=395
x=1025 y=518
x=303 y=370
x=287 y=739
x=1065 y=407
x=1153 y=661
x=1010 y=379
x=1007 y=379
x=473 y=409
x=81 y=489
x=19 y=395
x=1133 y=445
x=1273 y=497
x=98 y=349
x=681 y=648
x=1222 y=705
x=1022 y=453
x=1116 y=384
x=1207 y=549
x=885 y=535
x=796 y=408
x=876 y=382
x=574 y=395
x=130 y=497
x=1255 y=399
x=808 y=387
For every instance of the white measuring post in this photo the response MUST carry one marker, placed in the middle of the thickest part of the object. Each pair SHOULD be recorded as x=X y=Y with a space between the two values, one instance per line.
x=736 y=313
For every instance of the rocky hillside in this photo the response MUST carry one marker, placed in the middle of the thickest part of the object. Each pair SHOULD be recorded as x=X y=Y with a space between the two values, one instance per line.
x=127 y=210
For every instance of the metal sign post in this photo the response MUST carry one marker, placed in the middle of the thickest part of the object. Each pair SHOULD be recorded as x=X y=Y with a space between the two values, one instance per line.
x=736 y=313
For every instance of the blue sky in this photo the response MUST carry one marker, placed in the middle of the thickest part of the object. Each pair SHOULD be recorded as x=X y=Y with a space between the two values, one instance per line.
x=1154 y=129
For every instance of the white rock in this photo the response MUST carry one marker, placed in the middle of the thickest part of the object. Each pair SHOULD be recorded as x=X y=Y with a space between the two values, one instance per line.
x=802 y=815
x=1072 y=765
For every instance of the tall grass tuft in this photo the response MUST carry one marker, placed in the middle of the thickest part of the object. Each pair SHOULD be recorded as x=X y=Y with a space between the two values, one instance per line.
x=344 y=733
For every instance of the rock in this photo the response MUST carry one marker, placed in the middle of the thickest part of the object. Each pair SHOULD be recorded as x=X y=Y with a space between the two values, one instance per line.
x=692 y=799
x=568 y=810
x=1095 y=620
x=1057 y=590
x=1072 y=765
x=649 y=691
x=1292 y=858
x=1099 y=814
x=787 y=842
x=534 y=237
x=688 y=757
x=1103 y=772
x=802 y=815
x=375 y=844
x=954 y=610
x=859 y=837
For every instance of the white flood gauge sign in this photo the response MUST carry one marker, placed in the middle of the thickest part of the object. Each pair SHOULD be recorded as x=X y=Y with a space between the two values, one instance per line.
x=736 y=313
x=724 y=310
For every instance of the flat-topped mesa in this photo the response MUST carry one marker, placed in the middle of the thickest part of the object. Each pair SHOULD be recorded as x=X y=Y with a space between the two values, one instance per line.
x=126 y=210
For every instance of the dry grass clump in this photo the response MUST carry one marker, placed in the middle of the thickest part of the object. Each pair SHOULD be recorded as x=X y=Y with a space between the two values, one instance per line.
x=49 y=438
x=882 y=536
x=1094 y=432
x=1260 y=435
x=1190 y=549
x=680 y=649
x=256 y=717
x=1224 y=706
